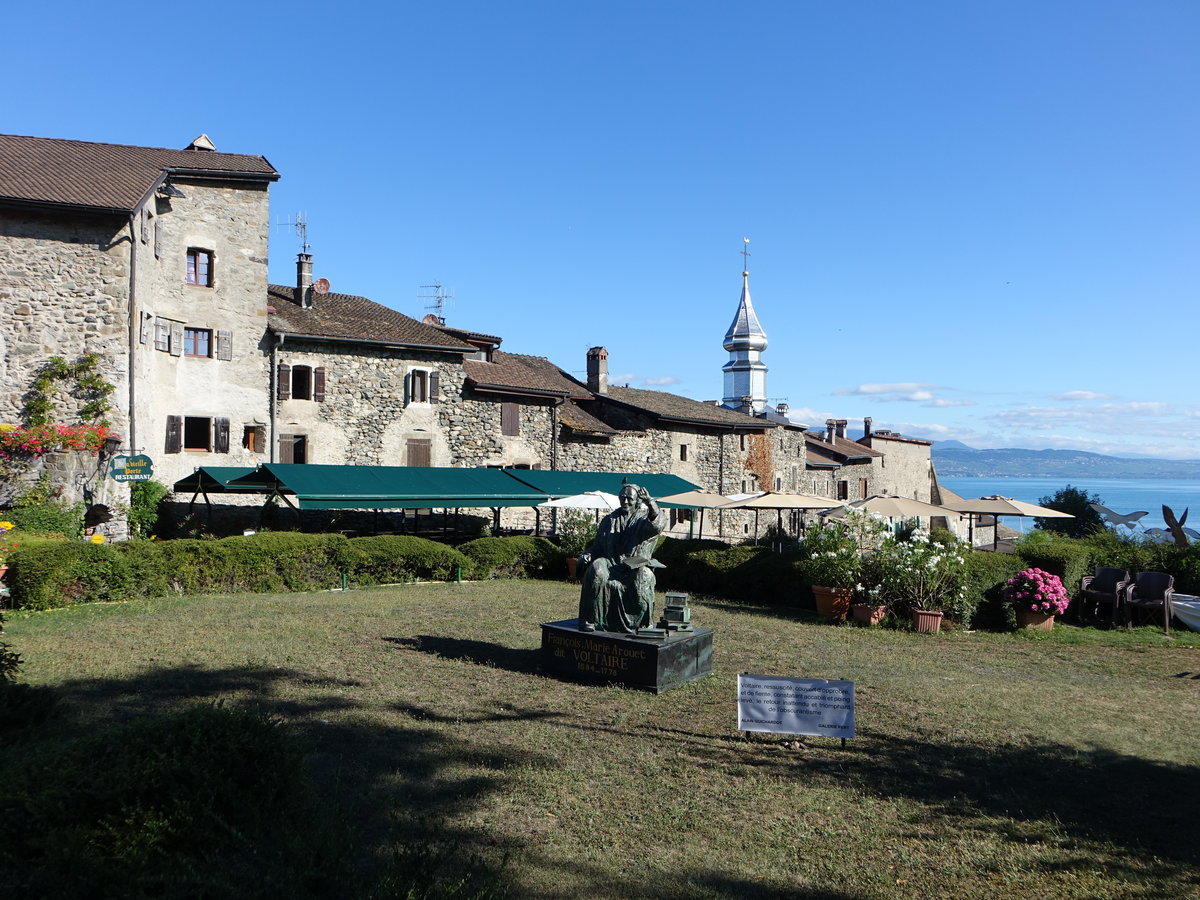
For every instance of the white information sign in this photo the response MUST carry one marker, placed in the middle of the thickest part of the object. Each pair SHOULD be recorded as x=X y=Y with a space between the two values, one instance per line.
x=796 y=705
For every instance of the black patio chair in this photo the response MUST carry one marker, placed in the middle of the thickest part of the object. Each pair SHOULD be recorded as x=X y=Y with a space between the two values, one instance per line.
x=1148 y=593
x=1104 y=588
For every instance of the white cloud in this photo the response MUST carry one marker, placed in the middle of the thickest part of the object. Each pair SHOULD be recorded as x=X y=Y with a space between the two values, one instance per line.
x=1082 y=395
x=939 y=402
x=904 y=389
x=664 y=381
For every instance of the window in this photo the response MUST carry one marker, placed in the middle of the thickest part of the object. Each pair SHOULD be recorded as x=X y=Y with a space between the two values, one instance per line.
x=199 y=434
x=419 y=389
x=293 y=448
x=741 y=442
x=510 y=419
x=200 y=267
x=862 y=487
x=418 y=452
x=301 y=382
x=254 y=438
x=683 y=452
x=196 y=341
x=843 y=490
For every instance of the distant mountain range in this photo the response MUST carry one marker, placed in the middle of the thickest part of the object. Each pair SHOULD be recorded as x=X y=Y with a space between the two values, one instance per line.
x=957 y=460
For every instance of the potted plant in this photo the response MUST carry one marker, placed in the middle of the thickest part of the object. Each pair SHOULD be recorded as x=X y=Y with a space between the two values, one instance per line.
x=913 y=572
x=576 y=531
x=1037 y=596
x=833 y=566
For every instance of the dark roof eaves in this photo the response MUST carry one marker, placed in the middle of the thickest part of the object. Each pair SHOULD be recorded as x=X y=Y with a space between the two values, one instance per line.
x=514 y=389
x=353 y=340
x=753 y=424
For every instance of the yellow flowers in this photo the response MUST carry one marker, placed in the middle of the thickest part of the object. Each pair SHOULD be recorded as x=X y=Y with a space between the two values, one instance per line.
x=97 y=539
x=7 y=526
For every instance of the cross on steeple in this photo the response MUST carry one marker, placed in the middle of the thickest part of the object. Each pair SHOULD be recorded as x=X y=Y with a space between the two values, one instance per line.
x=745 y=255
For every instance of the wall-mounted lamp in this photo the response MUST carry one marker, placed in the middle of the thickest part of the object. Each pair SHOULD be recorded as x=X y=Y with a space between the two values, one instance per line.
x=169 y=190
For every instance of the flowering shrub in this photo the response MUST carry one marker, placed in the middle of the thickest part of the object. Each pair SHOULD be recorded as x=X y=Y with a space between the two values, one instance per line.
x=6 y=546
x=833 y=556
x=1037 y=591
x=38 y=440
x=918 y=573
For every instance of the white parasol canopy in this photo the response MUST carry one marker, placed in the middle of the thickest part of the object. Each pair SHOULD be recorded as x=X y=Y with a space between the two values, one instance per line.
x=586 y=500
x=996 y=506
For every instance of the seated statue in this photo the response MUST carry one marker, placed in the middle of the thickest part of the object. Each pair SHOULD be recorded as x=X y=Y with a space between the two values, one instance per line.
x=618 y=581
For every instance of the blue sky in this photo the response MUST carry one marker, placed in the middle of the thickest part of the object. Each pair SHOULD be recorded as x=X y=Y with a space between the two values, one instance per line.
x=969 y=220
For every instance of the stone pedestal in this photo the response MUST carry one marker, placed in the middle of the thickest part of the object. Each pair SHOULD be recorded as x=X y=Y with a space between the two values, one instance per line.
x=606 y=658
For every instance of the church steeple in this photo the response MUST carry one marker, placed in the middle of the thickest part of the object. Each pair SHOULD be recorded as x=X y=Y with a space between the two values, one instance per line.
x=745 y=373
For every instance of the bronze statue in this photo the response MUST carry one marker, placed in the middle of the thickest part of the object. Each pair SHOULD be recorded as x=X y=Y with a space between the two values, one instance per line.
x=618 y=582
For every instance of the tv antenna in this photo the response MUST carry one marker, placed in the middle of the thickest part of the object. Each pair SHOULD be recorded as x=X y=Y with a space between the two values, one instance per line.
x=439 y=297
x=299 y=225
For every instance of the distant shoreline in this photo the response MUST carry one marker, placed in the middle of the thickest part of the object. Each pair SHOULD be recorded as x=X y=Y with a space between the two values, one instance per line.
x=1069 y=464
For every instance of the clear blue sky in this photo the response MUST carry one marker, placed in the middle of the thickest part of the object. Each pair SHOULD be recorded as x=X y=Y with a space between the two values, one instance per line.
x=969 y=220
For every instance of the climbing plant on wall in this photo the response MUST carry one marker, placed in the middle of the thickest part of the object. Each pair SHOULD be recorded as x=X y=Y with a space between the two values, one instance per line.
x=90 y=387
x=758 y=461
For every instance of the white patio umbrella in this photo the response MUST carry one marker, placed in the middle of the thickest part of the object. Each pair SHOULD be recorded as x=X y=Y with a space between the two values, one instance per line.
x=896 y=508
x=996 y=506
x=779 y=501
x=586 y=500
x=698 y=499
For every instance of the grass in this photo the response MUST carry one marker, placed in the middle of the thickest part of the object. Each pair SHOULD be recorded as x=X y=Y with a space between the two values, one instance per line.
x=1063 y=765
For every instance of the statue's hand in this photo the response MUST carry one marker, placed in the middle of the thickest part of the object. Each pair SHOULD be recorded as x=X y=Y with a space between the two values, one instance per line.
x=585 y=558
x=643 y=495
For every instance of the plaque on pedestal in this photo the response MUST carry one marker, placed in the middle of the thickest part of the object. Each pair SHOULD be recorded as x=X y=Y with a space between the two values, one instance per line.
x=654 y=664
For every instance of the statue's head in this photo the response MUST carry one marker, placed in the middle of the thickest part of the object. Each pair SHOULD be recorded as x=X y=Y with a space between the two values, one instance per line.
x=629 y=498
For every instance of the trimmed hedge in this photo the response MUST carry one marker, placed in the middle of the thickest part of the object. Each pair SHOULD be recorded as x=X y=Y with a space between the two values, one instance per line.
x=59 y=574
x=986 y=574
x=522 y=556
x=388 y=559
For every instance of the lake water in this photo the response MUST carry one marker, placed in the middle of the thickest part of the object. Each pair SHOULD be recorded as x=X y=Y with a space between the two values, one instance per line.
x=1122 y=495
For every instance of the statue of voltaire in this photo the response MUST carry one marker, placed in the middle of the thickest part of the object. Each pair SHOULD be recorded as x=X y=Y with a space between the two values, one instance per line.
x=618 y=583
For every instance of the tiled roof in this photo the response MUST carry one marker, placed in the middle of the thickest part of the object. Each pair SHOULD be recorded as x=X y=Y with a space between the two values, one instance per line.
x=472 y=335
x=892 y=436
x=840 y=450
x=108 y=177
x=519 y=374
x=682 y=409
x=578 y=420
x=346 y=317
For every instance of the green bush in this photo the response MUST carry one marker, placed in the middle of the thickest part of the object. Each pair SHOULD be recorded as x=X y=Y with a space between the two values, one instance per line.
x=1069 y=559
x=389 y=559
x=745 y=572
x=522 y=556
x=1076 y=501
x=59 y=574
x=145 y=500
x=985 y=577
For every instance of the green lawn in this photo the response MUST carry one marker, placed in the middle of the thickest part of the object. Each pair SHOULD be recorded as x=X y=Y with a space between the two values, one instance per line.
x=987 y=765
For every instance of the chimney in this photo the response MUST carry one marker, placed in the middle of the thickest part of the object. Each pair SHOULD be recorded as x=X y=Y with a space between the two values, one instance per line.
x=866 y=427
x=829 y=424
x=840 y=427
x=782 y=409
x=304 y=280
x=597 y=370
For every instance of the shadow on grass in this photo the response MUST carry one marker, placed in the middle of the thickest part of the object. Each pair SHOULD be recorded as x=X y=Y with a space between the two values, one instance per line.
x=527 y=662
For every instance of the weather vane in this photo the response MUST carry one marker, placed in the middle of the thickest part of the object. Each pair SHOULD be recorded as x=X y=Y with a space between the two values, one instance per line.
x=746 y=254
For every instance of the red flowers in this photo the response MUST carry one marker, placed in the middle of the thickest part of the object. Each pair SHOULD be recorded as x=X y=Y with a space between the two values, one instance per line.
x=1038 y=591
x=38 y=440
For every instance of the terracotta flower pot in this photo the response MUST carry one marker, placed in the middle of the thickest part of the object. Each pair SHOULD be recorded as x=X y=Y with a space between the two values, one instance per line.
x=868 y=613
x=572 y=562
x=833 y=603
x=1039 y=621
x=3 y=572
x=927 y=621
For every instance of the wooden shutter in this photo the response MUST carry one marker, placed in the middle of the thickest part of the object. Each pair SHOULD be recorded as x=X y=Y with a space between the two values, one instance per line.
x=287 y=443
x=862 y=486
x=158 y=239
x=319 y=384
x=419 y=452
x=433 y=387
x=224 y=345
x=174 y=434
x=162 y=334
x=220 y=435
x=146 y=329
x=510 y=419
x=407 y=388
x=283 y=382
x=176 y=339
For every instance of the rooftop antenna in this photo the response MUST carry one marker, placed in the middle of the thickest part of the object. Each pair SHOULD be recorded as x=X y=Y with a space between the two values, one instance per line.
x=745 y=251
x=439 y=297
x=298 y=224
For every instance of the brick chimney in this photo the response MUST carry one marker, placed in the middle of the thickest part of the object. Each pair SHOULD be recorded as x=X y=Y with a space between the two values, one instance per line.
x=866 y=427
x=597 y=370
x=304 y=280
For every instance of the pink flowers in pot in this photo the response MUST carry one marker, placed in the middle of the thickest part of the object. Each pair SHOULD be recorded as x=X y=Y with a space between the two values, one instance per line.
x=1037 y=591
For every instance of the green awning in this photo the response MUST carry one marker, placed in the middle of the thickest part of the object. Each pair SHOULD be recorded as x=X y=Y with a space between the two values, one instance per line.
x=390 y=487
x=213 y=480
x=567 y=484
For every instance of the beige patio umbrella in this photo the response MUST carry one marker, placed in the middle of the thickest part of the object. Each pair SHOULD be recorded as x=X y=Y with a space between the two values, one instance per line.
x=996 y=506
x=779 y=501
x=897 y=508
x=698 y=499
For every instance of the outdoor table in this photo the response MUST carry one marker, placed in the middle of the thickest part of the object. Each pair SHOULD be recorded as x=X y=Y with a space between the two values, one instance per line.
x=1186 y=608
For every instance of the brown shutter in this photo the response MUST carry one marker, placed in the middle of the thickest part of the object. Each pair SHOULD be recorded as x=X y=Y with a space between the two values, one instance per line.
x=433 y=387
x=287 y=443
x=319 y=384
x=220 y=435
x=510 y=422
x=176 y=339
x=174 y=434
x=419 y=452
x=224 y=345
x=283 y=382
x=407 y=388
